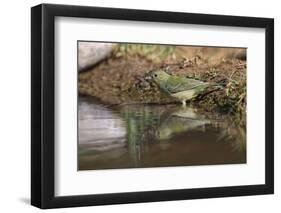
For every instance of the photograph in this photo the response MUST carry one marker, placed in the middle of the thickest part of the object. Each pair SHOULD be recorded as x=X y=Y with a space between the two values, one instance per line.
x=146 y=105
x=138 y=105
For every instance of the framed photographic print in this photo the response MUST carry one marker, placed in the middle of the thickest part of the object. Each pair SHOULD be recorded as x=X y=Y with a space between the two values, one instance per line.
x=140 y=106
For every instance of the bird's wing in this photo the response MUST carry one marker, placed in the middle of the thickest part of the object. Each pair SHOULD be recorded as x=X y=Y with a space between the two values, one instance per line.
x=178 y=84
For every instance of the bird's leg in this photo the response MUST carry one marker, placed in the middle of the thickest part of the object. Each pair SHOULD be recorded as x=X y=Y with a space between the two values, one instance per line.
x=183 y=103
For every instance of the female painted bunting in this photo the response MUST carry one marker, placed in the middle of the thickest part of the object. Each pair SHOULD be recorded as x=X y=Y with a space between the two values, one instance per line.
x=181 y=88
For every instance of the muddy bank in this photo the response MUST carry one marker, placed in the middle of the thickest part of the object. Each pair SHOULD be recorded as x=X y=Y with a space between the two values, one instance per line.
x=116 y=81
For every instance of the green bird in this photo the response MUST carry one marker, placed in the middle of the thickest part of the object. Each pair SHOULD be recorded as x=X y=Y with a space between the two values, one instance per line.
x=181 y=88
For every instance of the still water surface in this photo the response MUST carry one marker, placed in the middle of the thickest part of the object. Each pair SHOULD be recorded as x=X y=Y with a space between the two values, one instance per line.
x=131 y=136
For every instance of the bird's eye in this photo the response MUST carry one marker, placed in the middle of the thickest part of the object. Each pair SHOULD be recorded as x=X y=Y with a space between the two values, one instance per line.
x=155 y=75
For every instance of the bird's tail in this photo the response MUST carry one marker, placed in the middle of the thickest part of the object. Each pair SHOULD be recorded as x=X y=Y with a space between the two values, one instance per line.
x=217 y=85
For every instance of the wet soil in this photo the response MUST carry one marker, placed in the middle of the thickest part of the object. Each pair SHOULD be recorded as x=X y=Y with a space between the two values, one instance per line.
x=122 y=81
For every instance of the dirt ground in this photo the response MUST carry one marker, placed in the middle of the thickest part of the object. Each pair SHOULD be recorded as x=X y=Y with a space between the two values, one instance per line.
x=120 y=79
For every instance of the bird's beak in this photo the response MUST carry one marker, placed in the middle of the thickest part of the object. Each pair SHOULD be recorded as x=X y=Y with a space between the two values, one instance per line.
x=148 y=77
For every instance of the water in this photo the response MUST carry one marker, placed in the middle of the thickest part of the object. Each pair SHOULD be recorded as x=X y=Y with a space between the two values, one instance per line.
x=132 y=136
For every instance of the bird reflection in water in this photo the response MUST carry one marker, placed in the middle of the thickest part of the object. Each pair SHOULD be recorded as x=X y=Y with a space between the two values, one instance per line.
x=155 y=135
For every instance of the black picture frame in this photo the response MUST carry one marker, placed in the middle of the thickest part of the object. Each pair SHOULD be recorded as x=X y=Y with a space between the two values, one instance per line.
x=43 y=102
